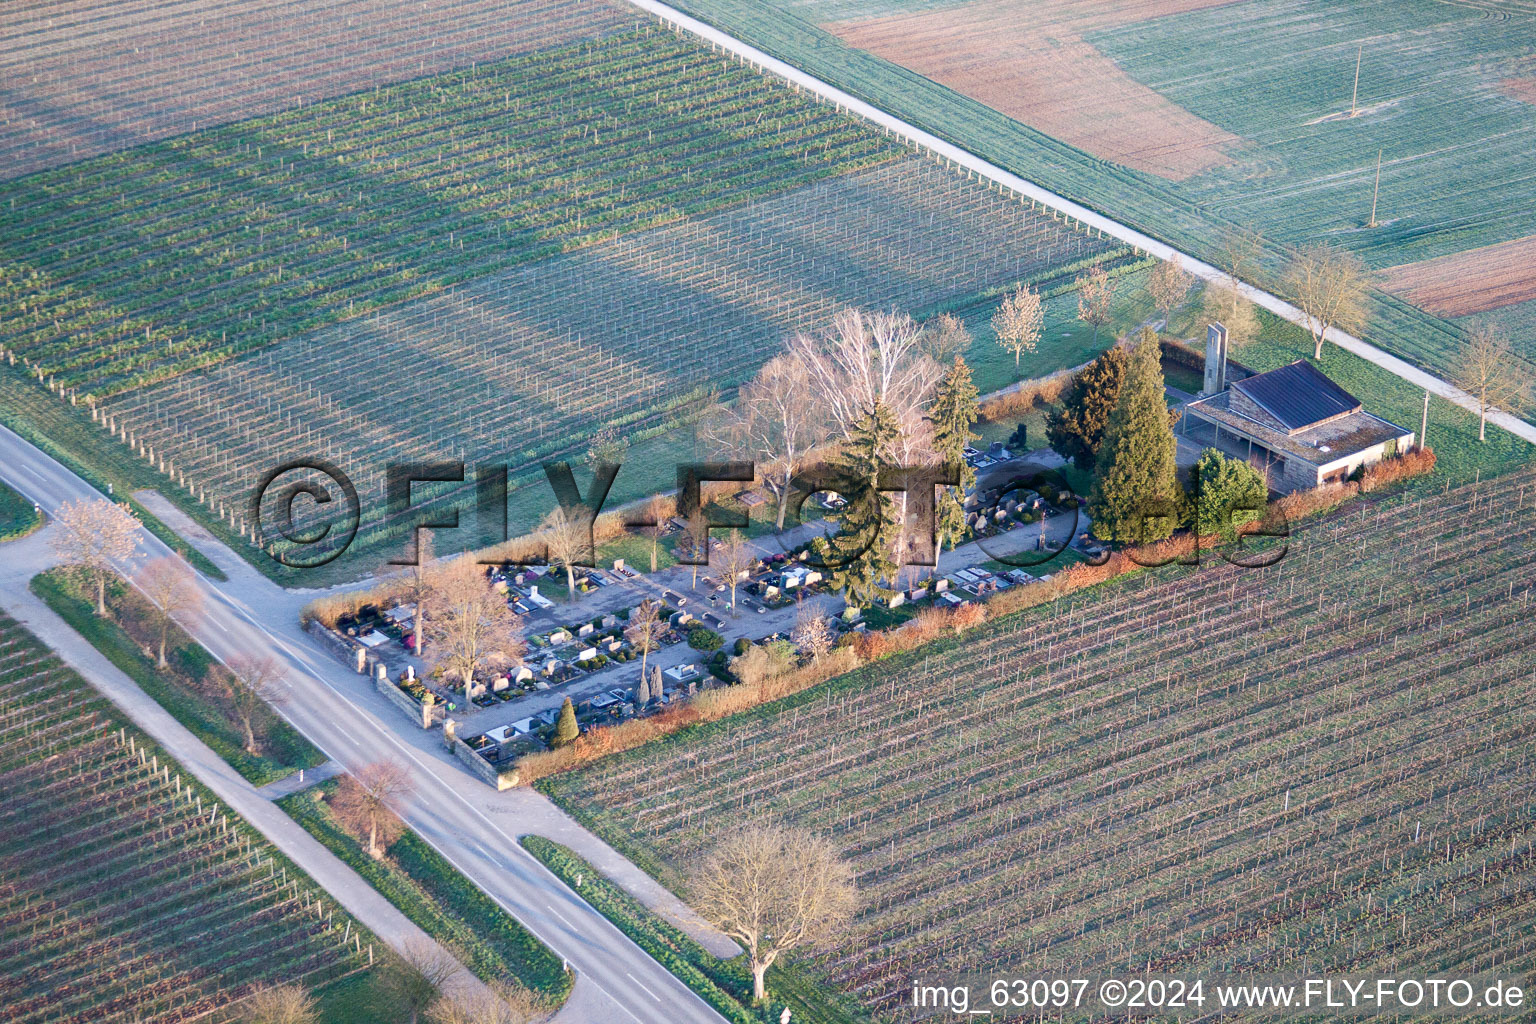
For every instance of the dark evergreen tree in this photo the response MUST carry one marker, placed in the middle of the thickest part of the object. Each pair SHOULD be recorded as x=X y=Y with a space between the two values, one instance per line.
x=1136 y=494
x=955 y=409
x=566 y=728
x=1076 y=430
x=1221 y=486
x=859 y=554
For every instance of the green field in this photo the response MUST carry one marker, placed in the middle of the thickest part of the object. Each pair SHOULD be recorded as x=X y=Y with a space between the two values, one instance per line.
x=188 y=687
x=18 y=516
x=1319 y=767
x=1455 y=175
x=130 y=893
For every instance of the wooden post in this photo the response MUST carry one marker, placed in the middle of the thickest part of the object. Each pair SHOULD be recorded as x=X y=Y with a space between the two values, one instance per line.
x=1353 y=105
x=1424 y=420
x=1376 y=190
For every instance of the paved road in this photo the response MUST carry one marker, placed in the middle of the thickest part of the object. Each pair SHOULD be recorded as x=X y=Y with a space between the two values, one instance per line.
x=473 y=827
x=1089 y=218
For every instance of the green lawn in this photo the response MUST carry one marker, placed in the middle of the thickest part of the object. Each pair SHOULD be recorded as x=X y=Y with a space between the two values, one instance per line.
x=440 y=900
x=725 y=985
x=18 y=516
x=179 y=688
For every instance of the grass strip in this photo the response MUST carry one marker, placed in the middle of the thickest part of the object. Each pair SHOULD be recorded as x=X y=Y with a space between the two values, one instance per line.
x=174 y=688
x=440 y=900
x=18 y=517
x=725 y=985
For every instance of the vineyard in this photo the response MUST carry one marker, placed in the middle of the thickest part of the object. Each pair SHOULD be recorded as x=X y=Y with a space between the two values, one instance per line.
x=1443 y=97
x=131 y=268
x=90 y=79
x=529 y=363
x=128 y=893
x=1323 y=765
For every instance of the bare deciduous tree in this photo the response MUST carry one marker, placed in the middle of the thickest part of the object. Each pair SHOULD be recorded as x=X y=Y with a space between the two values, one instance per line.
x=645 y=630
x=735 y=556
x=497 y=1003
x=279 y=1004
x=1018 y=322
x=368 y=803
x=1095 y=297
x=472 y=629
x=773 y=890
x=1223 y=303
x=93 y=538
x=775 y=423
x=658 y=510
x=695 y=539
x=1329 y=286
x=813 y=633
x=864 y=360
x=254 y=682
x=1238 y=253
x=417 y=978
x=1168 y=284
x=1486 y=370
x=567 y=535
x=418 y=588
x=944 y=337
x=171 y=586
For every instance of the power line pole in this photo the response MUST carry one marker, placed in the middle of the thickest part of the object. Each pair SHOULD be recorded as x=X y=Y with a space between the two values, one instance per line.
x=1353 y=108
x=1375 y=191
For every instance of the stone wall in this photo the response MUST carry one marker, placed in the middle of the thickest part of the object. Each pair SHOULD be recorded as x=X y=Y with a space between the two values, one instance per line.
x=482 y=769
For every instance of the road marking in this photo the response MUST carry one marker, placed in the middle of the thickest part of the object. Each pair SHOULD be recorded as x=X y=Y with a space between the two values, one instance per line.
x=221 y=625
x=567 y=920
x=647 y=991
x=35 y=474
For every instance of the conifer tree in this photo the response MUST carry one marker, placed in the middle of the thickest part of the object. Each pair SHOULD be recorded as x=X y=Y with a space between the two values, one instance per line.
x=643 y=691
x=566 y=728
x=955 y=410
x=1136 y=477
x=860 y=552
x=1076 y=430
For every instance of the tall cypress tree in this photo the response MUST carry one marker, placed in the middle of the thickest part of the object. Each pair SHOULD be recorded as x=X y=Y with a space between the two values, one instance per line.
x=860 y=551
x=1135 y=473
x=1076 y=430
x=566 y=729
x=955 y=409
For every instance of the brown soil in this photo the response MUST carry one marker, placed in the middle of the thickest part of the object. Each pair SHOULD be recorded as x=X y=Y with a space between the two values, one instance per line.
x=84 y=78
x=1468 y=282
x=1028 y=59
x=1520 y=88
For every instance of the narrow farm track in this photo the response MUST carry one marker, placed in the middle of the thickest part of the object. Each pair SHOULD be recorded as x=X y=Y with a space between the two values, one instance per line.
x=1324 y=762
x=127 y=892
x=991 y=173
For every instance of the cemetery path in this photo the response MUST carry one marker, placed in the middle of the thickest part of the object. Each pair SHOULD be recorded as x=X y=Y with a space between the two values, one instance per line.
x=472 y=826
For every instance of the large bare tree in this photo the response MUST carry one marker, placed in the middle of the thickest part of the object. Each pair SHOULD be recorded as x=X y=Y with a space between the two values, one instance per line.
x=1018 y=322
x=171 y=586
x=864 y=360
x=496 y=1003
x=813 y=633
x=254 y=681
x=1224 y=303
x=775 y=423
x=471 y=629
x=1095 y=299
x=1238 y=253
x=1329 y=286
x=1169 y=285
x=1486 y=369
x=944 y=337
x=567 y=535
x=645 y=630
x=93 y=539
x=279 y=1004
x=735 y=556
x=774 y=889
x=368 y=803
x=417 y=978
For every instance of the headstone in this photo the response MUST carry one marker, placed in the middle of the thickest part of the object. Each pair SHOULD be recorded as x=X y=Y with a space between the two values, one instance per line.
x=559 y=636
x=940 y=585
x=362 y=660
x=523 y=674
x=585 y=630
x=609 y=621
x=587 y=654
x=618 y=563
x=897 y=599
x=551 y=666
x=499 y=683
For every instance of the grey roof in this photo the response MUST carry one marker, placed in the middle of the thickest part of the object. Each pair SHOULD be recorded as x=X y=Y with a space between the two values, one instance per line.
x=1342 y=436
x=1298 y=395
